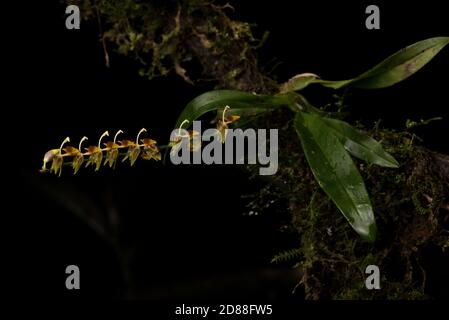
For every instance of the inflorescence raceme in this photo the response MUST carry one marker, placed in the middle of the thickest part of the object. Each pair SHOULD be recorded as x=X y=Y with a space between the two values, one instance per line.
x=145 y=148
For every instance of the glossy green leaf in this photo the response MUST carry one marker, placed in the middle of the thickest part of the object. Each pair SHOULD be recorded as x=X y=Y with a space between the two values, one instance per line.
x=360 y=145
x=392 y=70
x=217 y=99
x=243 y=112
x=336 y=173
x=401 y=65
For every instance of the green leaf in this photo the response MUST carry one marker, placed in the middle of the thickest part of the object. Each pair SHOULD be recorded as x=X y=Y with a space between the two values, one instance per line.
x=214 y=100
x=298 y=82
x=401 y=65
x=360 y=145
x=336 y=173
x=392 y=70
x=243 y=112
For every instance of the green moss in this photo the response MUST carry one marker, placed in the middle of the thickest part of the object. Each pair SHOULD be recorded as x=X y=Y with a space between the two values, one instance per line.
x=333 y=257
x=164 y=35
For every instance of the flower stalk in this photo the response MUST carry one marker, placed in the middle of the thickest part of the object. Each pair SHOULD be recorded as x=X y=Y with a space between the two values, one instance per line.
x=105 y=154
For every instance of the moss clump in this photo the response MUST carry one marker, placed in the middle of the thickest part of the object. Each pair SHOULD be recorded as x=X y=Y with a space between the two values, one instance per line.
x=171 y=36
x=407 y=204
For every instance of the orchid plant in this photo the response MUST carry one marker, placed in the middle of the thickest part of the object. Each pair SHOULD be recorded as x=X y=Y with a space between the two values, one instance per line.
x=328 y=143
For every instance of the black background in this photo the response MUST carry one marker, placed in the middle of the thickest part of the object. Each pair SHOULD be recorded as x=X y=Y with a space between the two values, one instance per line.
x=186 y=222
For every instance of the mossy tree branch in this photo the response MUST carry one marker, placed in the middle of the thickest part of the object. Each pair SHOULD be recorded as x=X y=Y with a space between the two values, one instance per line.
x=412 y=201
